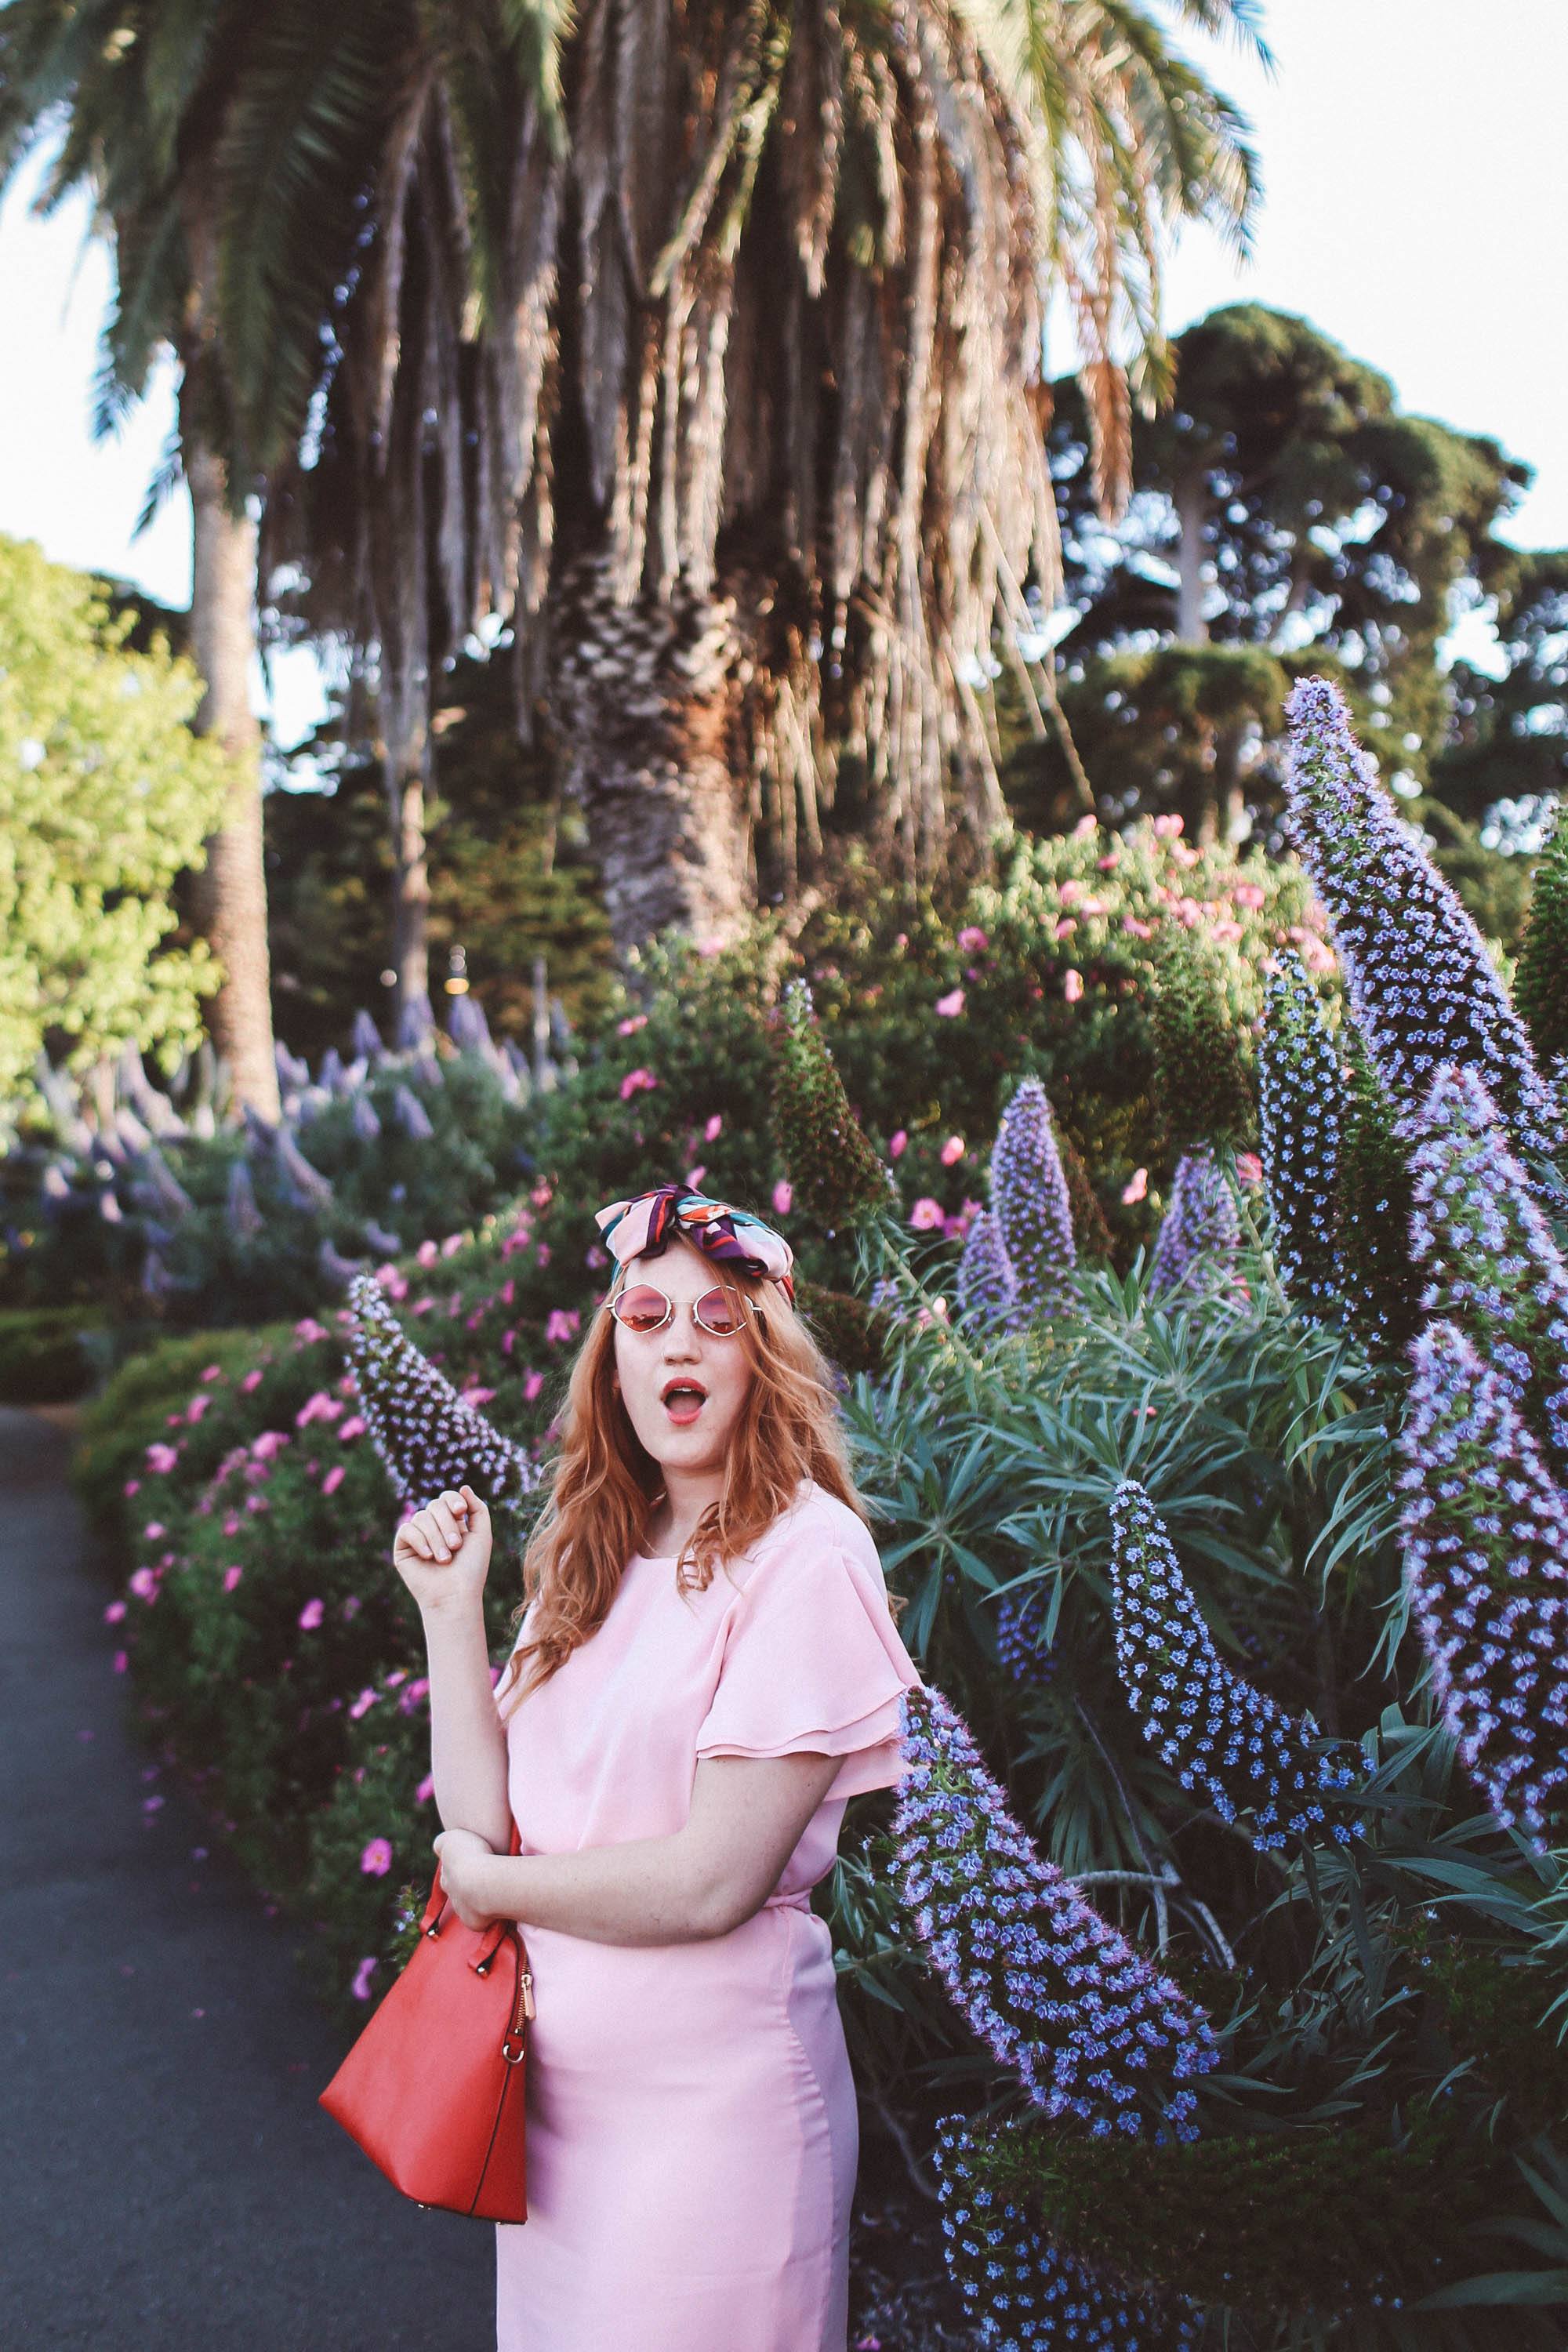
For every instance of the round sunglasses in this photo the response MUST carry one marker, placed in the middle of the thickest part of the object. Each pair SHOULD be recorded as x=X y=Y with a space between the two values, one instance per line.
x=642 y=1309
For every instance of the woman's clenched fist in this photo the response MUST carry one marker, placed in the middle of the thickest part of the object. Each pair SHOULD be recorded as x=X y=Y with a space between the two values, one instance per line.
x=443 y=1552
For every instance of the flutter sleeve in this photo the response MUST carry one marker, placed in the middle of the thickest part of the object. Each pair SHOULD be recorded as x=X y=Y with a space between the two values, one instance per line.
x=815 y=1662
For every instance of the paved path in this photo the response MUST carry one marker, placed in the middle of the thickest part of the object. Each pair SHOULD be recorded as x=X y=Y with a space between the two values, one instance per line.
x=167 y=2182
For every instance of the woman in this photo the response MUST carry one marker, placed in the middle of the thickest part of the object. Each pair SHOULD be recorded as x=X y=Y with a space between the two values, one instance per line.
x=707 y=1669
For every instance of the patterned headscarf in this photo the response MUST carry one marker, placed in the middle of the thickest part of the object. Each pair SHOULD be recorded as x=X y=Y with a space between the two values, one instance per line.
x=645 y=1225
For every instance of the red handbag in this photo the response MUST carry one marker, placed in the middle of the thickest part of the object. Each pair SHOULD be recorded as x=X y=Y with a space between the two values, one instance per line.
x=433 y=2089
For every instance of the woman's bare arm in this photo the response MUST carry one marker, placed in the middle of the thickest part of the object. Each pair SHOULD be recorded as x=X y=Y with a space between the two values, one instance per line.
x=747 y=1816
x=468 y=1740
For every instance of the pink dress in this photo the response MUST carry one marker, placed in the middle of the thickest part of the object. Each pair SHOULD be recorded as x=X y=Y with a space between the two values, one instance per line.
x=692 y=2134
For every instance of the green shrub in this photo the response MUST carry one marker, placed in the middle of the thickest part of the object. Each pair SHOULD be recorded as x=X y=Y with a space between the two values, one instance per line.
x=42 y=1361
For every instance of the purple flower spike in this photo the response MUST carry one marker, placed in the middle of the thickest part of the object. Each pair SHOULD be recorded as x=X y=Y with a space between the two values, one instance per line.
x=1300 y=1118
x=1200 y=1234
x=1029 y=1195
x=1420 y=983
x=1493 y=1266
x=1026 y=2294
x=1094 y=2029
x=1485 y=1538
x=428 y=1439
x=1020 y=1632
x=987 y=1285
x=1215 y=1731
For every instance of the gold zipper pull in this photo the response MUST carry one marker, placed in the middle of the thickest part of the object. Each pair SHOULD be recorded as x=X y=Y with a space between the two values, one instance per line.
x=527 y=1994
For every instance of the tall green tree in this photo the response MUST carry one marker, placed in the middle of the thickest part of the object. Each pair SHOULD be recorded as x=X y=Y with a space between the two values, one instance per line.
x=1283 y=509
x=105 y=796
x=130 y=99
x=704 y=344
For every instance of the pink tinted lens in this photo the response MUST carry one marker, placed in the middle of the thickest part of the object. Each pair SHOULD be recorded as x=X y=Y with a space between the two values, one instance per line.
x=641 y=1309
x=719 y=1311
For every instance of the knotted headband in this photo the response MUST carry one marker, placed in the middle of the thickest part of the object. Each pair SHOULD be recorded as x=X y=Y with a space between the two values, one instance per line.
x=645 y=1225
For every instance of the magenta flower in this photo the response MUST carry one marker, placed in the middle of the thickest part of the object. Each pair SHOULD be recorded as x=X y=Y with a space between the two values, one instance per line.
x=333 y=1479
x=897 y=1143
x=271 y=1441
x=710 y=1132
x=353 y=1427
x=231 y=1525
x=952 y=1151
x=196 y=1407
x=1136 y=1189
x=532 y=1384
x=321 y=1407
x=972 y=938
x=359 y=1988
x=131 y=1487
x=161 y=1458
x=212 y=1372
x=425 y=1790
x=631 y=1025
x=152 y=1530
x=231 y=1577
x=365 y=1701
x=114 y=1612
x=926 y=1216
x=561 y=1324
x=784 y=1197
x=251 y=1381
x=948 y=1007
x=308 y=1328
x=311 y=1615
x=694 y=1175
x=637 y=1082
x=376 y=1859
x=121 y=1661
x=1072 y=984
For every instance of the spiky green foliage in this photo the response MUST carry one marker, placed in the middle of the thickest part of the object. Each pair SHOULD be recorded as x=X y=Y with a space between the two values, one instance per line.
x=1310 y=2226
x=1300 y=1114
x=1379 y=1286
x=853 y=1334
x=1540 y=981
x=1195 y=1249
x=1201 y=1047
x=837 y=1178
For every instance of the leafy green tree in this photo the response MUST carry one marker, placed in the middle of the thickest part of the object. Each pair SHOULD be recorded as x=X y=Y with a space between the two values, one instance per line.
x=105 y=796
x=1509 y=739
x=1283 y=509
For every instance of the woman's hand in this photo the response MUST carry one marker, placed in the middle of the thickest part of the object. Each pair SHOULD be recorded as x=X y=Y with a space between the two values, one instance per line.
x=462 y=1854
x=443 y=1552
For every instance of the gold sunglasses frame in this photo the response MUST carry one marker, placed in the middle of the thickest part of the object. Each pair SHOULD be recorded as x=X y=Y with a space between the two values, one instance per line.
x=642 y=1283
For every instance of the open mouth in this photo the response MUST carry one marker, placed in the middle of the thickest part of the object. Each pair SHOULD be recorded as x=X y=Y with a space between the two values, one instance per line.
x=683 y=1400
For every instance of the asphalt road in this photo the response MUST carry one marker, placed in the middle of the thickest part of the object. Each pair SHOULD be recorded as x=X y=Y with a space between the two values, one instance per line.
x=167 y=2182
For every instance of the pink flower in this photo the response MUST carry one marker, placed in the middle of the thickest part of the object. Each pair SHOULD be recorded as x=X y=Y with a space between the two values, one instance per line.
x=541 y=1194
x=561 y=1324
x=508 y=1342
x=1166 y=828
x=365 y=1701
x=474 y=1394
x=376 y=1859
x=452 y=1244
x=1138 y=1186
x=952 y=1151
x=321 y=1407
x=972 y=938
x=784 y=1197
x=541 y=1255
x=196 y=1407
x=1139 y=931
x=311 y=1615
x=637 y=1082
x=1066 y=926
x=271 y=1441
x=212 y=1372
x=694 y=1176
x=1247 y=894
x=710 y=1132
x=308 y=1328
x=631 y=1025
x=152 y=1530
x=1248 y=1168
x=121 y=1661
x=161 y=1458
x=395 y=1284
x=252 y=1380
x=531 y=1384
x=353 y=1427
x=131 y=1487
x=925 y=1217
x=144 y=1585
x=359 y=1988
x=231 y=1525
x=1072 y=984
x=114 y=1612
x=333 y=1479
x=1227 y=931
x=947 y=1007
x=1071 y=892
x=425 y=1790
x=897 y=1143
x=231 y=1577
x=151 y=1804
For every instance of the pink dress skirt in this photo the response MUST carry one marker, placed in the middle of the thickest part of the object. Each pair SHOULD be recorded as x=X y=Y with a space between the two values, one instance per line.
x=692 y=2134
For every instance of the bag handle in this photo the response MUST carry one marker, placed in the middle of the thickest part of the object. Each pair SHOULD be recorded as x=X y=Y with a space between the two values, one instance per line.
x=437 y=1907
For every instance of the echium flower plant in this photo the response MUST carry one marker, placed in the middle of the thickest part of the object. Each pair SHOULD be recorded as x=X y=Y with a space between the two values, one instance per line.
x=1026 y=2293
x=1093 y=2029
x=987 y=1285
x=1485 y=1538
x=1218 y=1734
x=837 y=1177
x=1419 y=981
x=1301 y=1111
x=1200 y=1234
x=1020 y=1636
x=427 y=1436
x=1029 y=1197
x=1492 y=1266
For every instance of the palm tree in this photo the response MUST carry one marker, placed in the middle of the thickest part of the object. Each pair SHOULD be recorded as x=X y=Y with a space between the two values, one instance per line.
x=705 y=344
x=134 y=95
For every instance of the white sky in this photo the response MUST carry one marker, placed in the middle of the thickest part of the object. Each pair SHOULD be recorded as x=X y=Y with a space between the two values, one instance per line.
x=1416 y=184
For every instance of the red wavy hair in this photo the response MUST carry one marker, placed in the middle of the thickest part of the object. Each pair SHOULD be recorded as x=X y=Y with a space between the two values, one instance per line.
x=606 y=1484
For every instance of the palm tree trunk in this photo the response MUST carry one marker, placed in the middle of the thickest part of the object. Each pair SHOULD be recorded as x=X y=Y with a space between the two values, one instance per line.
x=407 y=781
x=230 y=892
x=641 y=695
x=1192 y=512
